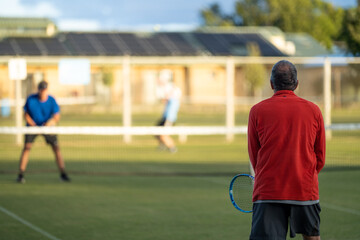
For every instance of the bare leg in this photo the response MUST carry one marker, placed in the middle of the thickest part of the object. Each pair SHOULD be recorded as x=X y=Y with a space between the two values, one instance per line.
x=24 y=158
x=58 y=157
x=60 y=163
x=167 y=141
x=158 y=138
x=311 y=237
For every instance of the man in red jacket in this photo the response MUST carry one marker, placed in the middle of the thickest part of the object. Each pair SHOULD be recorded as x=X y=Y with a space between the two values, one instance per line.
x=286 y=143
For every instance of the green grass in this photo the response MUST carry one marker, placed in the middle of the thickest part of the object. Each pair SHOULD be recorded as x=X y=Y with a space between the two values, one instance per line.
x=124 y=208
x=135 y=192
x=346 y=115
x=154 y=207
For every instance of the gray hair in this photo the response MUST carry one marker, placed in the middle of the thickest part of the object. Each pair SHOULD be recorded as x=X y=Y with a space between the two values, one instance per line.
x=284 y=76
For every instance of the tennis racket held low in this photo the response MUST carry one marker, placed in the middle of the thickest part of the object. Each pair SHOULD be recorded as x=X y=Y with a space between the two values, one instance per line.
x=241 y=190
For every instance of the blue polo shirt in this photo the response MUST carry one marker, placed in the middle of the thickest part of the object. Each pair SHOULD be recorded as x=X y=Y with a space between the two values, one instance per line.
x=39 y=111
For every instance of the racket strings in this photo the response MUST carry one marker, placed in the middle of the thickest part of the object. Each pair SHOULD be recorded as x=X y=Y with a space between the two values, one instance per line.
x=242 y=192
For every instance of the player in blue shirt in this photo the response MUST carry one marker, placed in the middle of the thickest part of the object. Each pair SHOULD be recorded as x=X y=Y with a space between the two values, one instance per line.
x=41 y=109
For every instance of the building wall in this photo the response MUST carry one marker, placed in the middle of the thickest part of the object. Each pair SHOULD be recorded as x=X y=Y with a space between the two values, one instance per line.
x=200 y=83
x=6 y=87
x=207 y=83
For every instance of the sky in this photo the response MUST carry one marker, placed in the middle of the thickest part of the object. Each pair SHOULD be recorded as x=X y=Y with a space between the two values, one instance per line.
x=108 y=15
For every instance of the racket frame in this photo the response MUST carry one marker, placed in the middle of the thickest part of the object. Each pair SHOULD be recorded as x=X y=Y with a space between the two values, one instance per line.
x=231 y=191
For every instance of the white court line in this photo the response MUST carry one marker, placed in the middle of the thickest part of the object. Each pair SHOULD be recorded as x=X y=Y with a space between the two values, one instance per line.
x=35 y=228
x=341 y=209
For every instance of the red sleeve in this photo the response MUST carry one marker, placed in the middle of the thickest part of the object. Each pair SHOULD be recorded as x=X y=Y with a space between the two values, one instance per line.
x=320 y=143
x=253 y=140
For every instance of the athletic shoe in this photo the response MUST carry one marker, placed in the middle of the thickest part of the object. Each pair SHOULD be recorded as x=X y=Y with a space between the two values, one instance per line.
x=173 y=150
x=64 y=177
x=161 y=147
x=20 y=179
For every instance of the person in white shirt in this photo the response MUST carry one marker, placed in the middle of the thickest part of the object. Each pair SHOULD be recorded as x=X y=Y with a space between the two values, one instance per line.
x=170 y=94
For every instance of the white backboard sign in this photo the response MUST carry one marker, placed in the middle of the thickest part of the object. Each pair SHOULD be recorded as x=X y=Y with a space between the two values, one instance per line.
x=74 y=71
x=17 y=69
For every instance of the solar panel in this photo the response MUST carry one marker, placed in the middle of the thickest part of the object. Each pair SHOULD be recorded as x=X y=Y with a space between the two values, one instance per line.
x=157 y=45
x=80 y=44
x=147 y=44
x=235 y=44
x=96 y=44
x=133 y=44
x=54 y=47
x=266 y=48
x=213 y=43
x=6 y=48
x=184 y=47
x=176 y=44
x=120 y=44
x=108 y=44
x=151 y=47
x=27 y=47
x=160 y=44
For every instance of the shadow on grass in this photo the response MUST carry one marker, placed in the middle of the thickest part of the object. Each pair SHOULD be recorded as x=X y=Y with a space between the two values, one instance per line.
x=111 y=168
x=341 y=168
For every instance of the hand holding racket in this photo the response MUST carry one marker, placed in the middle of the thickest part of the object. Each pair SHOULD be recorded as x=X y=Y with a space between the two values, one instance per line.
x=241 y=190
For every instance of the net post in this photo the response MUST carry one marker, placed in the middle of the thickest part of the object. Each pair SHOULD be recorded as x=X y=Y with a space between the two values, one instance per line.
x=230 y=100
x=126 y=97
x=327 y=96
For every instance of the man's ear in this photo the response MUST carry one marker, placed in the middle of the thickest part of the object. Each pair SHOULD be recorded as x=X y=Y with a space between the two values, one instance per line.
x=272 y=85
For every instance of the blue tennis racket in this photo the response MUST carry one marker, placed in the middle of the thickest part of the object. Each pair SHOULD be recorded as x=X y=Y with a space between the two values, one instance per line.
x=241 y=190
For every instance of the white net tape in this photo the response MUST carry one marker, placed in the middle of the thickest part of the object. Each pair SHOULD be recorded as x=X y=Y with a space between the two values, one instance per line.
x=193 y=130
x=189 y=130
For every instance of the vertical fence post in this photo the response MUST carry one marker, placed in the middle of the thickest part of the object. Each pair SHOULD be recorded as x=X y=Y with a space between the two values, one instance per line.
x=18 y=71
x=327 y=96
x=230 y=100
x=126 y=97
x=18 y=110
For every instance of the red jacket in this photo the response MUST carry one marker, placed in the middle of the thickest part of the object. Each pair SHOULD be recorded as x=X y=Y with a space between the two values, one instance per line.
x=286 y=143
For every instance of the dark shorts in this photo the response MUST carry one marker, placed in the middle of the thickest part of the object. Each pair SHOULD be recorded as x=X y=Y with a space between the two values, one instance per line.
x=50 y=139
x=162 y=122
x=271 y=220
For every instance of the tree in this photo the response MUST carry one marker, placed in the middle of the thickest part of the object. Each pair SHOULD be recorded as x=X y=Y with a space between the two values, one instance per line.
x=351 y=30
x=254 y=73
x=352 y=79
x=251 y=12
x=318 y=18
x=107 y=76
x=213 y=16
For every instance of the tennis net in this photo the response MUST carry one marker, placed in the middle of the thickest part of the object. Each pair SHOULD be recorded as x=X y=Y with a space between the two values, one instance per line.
x=134 y=150
x=108 y=150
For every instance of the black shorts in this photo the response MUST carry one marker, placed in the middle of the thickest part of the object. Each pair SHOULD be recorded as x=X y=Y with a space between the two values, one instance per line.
x=271 y=220
x=50 y=139
x=162 y=122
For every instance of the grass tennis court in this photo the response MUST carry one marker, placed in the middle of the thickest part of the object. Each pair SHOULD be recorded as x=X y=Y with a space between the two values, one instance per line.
x=176 y=196
x=154 y=207
x=135 y=192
